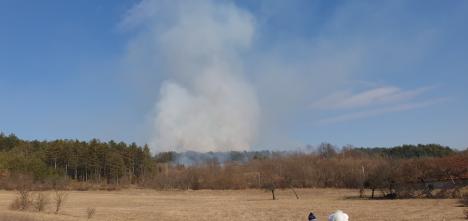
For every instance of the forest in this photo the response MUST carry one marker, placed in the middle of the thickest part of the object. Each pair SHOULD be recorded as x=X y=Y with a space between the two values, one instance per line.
x=401 y=171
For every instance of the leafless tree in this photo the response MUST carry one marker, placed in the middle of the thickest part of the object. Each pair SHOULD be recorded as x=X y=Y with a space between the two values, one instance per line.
x=60 y=197
x=40 y=202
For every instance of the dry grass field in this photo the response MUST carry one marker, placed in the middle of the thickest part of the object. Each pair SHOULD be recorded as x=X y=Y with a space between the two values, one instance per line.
x=135 y=204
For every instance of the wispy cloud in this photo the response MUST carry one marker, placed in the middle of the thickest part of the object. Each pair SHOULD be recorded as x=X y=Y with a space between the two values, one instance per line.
x=376 y=96
x=380 y=111
x=372 y=102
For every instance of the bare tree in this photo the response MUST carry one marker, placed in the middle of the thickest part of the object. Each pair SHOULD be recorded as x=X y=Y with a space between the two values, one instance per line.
x=40 y=202
x=60 y=197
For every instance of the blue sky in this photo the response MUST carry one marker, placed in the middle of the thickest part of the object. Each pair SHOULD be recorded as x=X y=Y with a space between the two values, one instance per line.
x=364 y=73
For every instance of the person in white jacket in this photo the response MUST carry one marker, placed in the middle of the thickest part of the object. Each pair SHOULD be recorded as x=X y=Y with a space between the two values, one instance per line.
x=338 y=216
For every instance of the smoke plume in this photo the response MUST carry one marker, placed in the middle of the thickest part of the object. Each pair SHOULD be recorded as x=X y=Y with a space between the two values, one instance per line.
x=205 y=104
x=270 y=74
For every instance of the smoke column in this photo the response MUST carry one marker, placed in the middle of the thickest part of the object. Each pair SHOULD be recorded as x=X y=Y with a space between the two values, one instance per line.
x=205 y=103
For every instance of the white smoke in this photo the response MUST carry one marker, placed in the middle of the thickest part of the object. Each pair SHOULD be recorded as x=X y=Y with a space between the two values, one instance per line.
x=205 y=104
x=188 y=60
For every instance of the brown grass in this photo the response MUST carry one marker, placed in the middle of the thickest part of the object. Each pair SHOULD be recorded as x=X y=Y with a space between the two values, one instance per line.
x=16 y=217
x=144 y=205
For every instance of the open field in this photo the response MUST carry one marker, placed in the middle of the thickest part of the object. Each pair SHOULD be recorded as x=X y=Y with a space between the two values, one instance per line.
x=135 y=204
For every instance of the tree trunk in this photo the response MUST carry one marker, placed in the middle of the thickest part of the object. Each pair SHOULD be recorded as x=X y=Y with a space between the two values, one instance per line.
x=297 y=197
x=273 y=194
x=372 y=193
x=76 y=173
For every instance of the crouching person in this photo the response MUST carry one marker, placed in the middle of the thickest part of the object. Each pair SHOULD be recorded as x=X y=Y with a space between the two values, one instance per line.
x=312 y=217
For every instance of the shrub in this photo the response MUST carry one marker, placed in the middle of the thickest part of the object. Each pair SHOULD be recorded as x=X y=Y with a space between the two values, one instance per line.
x=15 y=204
x=90 y=212
x=456 y=194
x=443 y=194
x=361 y=193
x=112 y=187
x=40 y=202
x=464 y=199
x=22 y=200
x=60 y=197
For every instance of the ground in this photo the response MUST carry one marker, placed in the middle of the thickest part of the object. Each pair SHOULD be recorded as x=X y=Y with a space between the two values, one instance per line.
x=136 y=204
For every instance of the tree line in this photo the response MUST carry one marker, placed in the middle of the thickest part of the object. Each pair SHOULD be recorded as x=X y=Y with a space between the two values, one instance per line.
x=93 y=161
x=402 y=171
x=412 y=171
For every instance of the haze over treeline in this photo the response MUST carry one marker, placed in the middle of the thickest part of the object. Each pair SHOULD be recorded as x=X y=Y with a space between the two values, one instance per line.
x=59 y=163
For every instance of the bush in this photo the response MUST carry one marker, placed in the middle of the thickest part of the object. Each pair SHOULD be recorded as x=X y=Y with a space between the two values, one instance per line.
x=22 y=201
x=464 y=200
x=60 y=197
x=40 y=202
x=362 y=193
x=15 y=204
x=90 y=212
x=443 y=194
x=456 y=194
x=112 y=187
